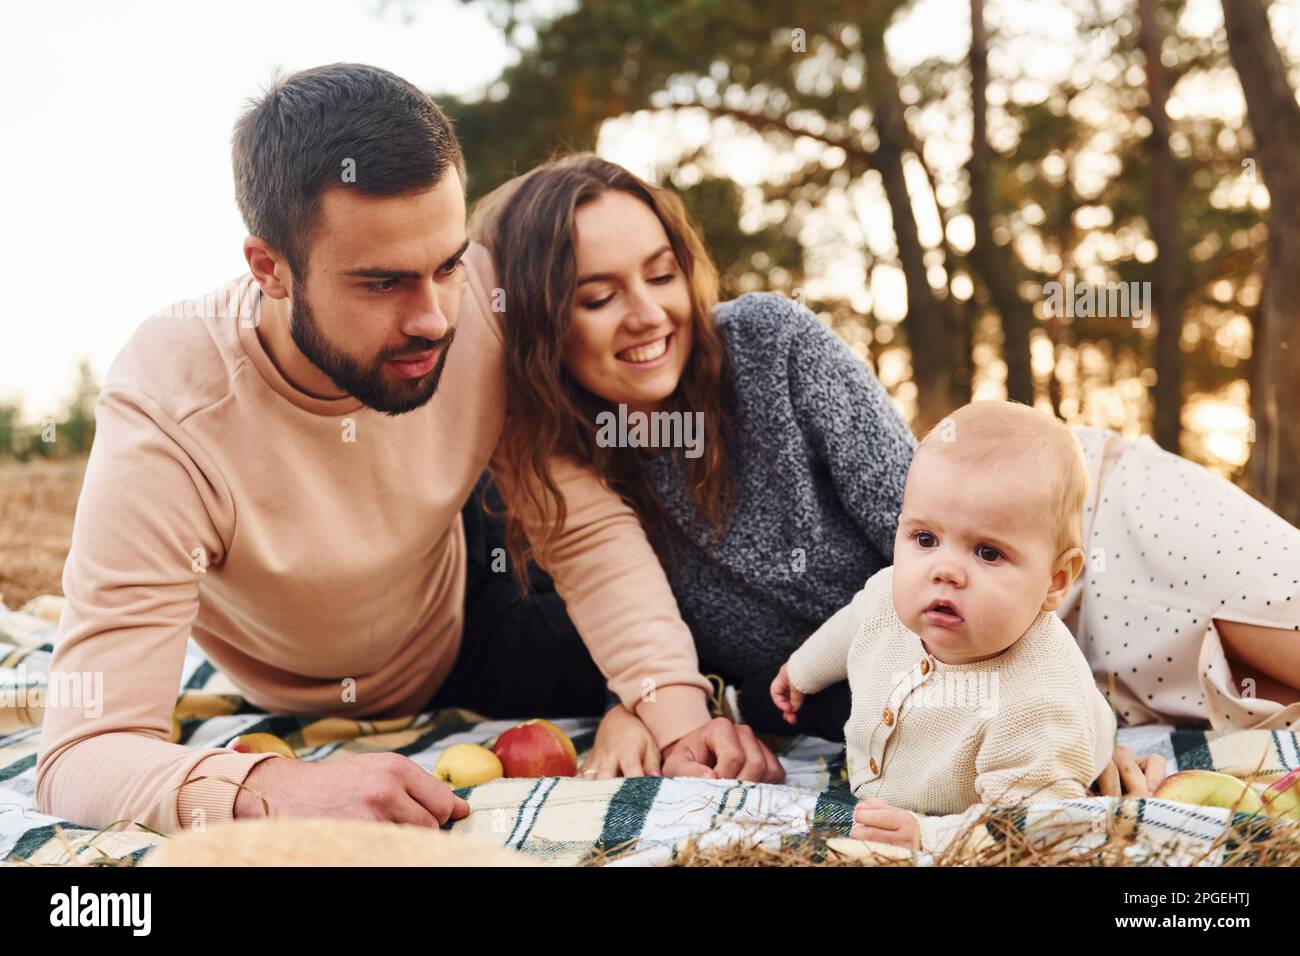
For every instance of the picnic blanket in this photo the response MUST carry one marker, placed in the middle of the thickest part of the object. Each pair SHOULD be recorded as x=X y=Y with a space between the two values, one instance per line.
x=571 y=821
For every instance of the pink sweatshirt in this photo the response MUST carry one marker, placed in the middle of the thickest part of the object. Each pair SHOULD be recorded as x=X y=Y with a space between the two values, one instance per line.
x=303 y=542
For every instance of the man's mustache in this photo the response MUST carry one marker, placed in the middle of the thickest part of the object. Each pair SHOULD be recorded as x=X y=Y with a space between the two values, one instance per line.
x=420 y=346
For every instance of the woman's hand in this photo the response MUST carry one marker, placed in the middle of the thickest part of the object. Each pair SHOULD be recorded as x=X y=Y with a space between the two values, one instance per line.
x=1129 y=776
x=624 y=747
x=785 y=695
x=883 y=823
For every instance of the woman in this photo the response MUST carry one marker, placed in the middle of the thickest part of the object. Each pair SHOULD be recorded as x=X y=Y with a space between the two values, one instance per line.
x=791 y=500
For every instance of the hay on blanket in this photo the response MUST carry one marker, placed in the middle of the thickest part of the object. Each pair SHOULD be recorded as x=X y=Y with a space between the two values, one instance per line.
x=1246 y=841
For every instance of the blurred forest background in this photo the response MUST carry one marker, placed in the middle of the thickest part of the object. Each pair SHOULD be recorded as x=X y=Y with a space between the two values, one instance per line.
x=925 y=205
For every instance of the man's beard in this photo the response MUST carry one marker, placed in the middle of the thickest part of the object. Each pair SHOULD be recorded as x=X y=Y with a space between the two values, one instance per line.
x=367 y=384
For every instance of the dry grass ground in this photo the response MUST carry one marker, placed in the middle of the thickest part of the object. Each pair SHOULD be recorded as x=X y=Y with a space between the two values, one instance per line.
x=37 y=502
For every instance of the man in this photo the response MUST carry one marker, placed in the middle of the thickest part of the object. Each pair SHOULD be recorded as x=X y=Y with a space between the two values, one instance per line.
x=279 y=468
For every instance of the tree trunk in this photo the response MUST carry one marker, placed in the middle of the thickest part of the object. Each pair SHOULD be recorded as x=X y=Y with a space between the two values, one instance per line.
x=996 y=265
x=959 y=316
x=1163 y=217
x=1275 y=122
x=928 y=329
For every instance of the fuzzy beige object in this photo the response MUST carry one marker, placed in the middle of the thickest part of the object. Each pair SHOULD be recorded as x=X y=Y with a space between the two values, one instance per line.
x=868 y=850
x=296 y=841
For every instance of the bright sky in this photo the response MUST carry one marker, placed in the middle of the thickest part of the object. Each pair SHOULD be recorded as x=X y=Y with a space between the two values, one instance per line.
x=117 y=119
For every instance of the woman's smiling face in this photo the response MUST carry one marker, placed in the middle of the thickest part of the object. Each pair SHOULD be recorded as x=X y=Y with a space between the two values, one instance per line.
x=630 y=330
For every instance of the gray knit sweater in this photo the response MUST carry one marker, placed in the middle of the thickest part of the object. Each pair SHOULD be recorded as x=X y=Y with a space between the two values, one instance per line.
x=820 y=457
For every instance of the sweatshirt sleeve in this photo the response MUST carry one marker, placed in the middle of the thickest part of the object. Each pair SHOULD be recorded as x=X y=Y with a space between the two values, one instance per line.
x=619 y=599
x=853 y=427
x=143 y=534
x=1048 y=749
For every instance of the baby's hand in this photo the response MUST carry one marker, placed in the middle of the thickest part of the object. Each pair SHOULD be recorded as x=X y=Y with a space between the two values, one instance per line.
x=877 y=820
x=786 y=696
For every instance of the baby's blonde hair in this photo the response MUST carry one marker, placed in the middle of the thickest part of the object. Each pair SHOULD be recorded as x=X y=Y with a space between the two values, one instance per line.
x=1010 y=435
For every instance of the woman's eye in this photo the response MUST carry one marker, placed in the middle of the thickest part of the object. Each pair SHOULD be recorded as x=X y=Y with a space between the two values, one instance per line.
x=598 y=303
x=664 y=279
x=987 y=553
x=925 y=539
x=380 y=288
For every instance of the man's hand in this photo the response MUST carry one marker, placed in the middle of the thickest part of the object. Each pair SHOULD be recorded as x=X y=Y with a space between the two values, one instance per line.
x=786 y=696
x=1129 y=776
x=883 y=823
x=722 y=749
x=385 y=786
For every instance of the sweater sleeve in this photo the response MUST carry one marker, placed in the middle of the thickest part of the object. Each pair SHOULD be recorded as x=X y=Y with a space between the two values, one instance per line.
x=143 y=534
x=618 y=598
x=1047 y=749
x=823 y=659
x=853 y=427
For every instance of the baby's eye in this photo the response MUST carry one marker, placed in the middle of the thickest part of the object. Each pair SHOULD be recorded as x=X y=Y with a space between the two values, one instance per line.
x=925 y=539
x=987 y=553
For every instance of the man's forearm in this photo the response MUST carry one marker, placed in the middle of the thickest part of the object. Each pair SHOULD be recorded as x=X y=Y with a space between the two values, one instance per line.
x=253 y=799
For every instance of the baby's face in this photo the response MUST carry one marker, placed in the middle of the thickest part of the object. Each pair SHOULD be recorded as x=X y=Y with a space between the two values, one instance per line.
x=973 y=557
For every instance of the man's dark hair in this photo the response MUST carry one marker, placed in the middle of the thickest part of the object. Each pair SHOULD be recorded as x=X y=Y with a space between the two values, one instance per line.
x=307 y=130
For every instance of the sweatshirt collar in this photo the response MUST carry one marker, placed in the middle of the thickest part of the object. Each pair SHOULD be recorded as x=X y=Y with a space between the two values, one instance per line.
x=250 y=306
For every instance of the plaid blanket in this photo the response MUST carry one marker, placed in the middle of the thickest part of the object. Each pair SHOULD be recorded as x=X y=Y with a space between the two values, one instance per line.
x=569 y=821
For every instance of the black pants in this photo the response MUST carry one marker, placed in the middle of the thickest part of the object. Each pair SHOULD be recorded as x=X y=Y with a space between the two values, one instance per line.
x=823 y=714
x=520 y=655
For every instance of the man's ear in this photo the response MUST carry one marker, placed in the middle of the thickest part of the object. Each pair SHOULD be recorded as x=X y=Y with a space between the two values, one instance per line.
x=268 y=268
x=1067 y=567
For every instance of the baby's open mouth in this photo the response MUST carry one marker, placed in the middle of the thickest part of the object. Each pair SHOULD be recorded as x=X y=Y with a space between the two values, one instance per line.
x=943 y=613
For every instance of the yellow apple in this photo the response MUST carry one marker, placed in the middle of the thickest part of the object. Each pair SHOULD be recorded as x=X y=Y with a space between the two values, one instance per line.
x=467 y=765
x=1209 y=788
x=261 y=744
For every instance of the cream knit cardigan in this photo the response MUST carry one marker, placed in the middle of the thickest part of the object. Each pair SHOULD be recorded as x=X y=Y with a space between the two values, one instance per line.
x=950 y=741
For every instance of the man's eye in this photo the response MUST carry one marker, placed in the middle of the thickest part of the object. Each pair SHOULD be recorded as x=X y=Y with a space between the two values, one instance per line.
x=382 y=287
x=925 y=539
x=449 y=270
x=987 y=553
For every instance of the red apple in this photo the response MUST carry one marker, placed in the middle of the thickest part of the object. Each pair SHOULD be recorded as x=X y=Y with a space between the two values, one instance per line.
x=536 y=748
x=1282 y=799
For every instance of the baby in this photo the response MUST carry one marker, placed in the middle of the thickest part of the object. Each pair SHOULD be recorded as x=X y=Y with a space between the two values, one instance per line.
x=967 y=690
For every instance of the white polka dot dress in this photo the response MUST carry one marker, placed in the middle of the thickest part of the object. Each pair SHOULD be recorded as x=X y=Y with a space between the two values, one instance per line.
x=1169 y=547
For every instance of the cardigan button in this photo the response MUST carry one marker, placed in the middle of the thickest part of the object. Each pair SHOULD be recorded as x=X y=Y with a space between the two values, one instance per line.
x=889 y=717
x=925 y=665
x=873 y=766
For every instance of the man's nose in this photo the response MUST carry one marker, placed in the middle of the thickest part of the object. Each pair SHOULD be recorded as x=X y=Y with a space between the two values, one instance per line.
x=427 y=316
